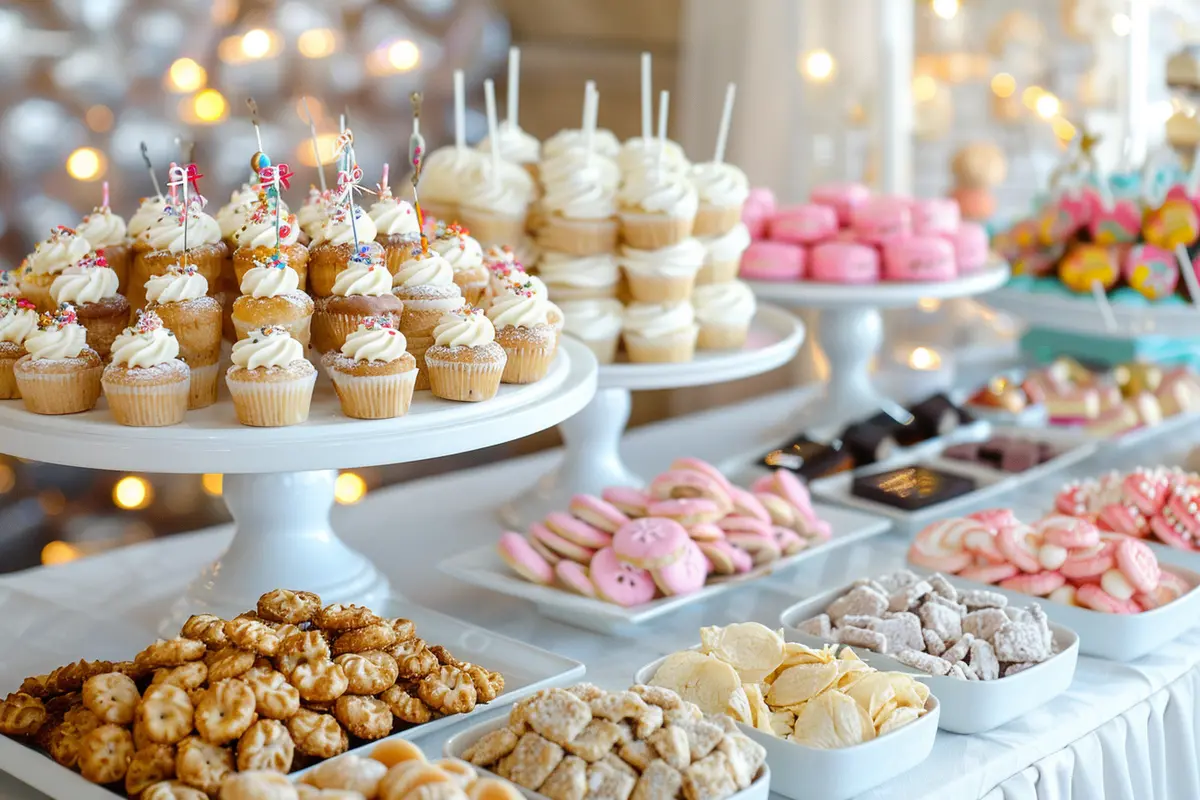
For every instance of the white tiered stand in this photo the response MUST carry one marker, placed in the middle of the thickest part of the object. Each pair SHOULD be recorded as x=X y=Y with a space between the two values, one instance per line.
x=592 y=458
x=279 y=481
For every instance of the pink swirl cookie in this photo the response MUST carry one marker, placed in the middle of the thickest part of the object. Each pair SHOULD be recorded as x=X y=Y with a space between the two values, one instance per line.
x=577 y=531
x=631 y=502
x=757 y=211
x=1124 y=519
x=940 y=546
x=995 y=518
x=919 y=258
x=1138 y=564
x=772 y=261
x=1039 y=584
x=1147 y=491
x=843 y=197
x=1021 y=544
x=1090 y=595
x=1069 y=532
x=650 y=543
x=989 y=573
x=844 y=262
x=685 y=576
x=935 y=216
x=620 y=582
x=881 y=219
x=808 y=223
x=1178 y=523
x=1152 y=271
x=970 y=244
x=1089 y=563
x=522 y=559
x=597 y=512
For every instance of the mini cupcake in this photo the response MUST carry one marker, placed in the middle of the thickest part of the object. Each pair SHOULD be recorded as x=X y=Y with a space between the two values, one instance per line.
x=578 y=213
x=271 y=382
x=724 y=311
x=604 y=143
x=18 y=319
x=495 y=210
x=570 y=278
x=148 y=212
x=596 y=323
x=236 y=213
x=180 y=298
x=396 y=227
x=723 y=255
x=515 y=146
x=270 y=297
x=524 y=331
x=63 y=249
x=179 y=238
x=373 y=375
x=722 y=189
x=666 y=275
x=10 y=282
x=363 y=289
x=313 y=213
x=639 y=155
x=465 y=255
x=146 y=384
x=105 y=231
x=465 y=363
x=91 y=287
x=257 y=240
x=660 y=333
x=425 y=284
x=59 y=374
x=333 y=246
x=657 y=209
x=445 y=175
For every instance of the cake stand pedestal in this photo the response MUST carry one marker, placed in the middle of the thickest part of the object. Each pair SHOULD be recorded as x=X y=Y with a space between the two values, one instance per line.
x=591 y=439
x=279 y=481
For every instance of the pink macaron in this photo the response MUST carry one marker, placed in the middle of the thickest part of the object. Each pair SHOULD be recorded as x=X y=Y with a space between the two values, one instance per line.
x=650 y=542
x=684 y=576
x=843 y=197
x=934 y=216
x=919 y=258
x=523 y=560
x=843 y=262
x=807 y=223
x=575 y=577
x=687 y=511
x=970 y=243
x=559 y=545
x=706 y=532
x=577 y=531
x=881 y=219
x=757 y=211
x=629 y=501
x=700 y=465
x=620 y=582
x=772 y=261
x=597 y=512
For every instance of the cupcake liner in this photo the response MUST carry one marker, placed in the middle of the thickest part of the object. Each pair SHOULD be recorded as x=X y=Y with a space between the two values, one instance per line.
x=673 y=349
x=580 y=237
x=59 y=392
x=329 y=331
x=605 y=350
x=561 y=293
x=120 y=259
x=104 y=329
x=36 y=289
x=717 y=272
x=489 y=229
x=208 y=259
x=148 y=405
x=197 y=327
x=654 y=231
x=418 y=323
x=464 y=381
x=325 y=261
x=722 y=337
x=473 y=283
x=660 y=288
x=716 y=220
x=416 y=347
x=300 y=329
x=374 y=396
x=202 y=390
x=396 y=250
x=8 y=381
x=245 y=258
x=272 y=404
x=529 y=352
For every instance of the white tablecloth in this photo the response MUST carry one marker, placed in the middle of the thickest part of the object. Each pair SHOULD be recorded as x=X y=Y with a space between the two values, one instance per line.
x=1120 y=731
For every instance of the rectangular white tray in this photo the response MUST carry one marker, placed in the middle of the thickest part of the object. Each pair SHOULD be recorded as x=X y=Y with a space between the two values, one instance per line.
x=1188 y=559
x=967 y=706
x=525 y=668
x=483 y=567
x=802 y=772
x=458 y=744
x=1117 y=637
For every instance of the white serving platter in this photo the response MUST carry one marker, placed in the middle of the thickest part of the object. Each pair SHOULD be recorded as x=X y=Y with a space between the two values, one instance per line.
x=967 y=706
x=1117 y=637
x=1139 y=436
x=482 y=566
x=1188 y=559
x=458 y=744
x=1071 y=448
x=802 y=772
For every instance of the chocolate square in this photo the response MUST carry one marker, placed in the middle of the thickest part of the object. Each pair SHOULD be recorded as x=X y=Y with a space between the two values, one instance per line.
x=904 y=431
x=868 y=443
x=810 y=459
x=912 y=488
x=936 y=416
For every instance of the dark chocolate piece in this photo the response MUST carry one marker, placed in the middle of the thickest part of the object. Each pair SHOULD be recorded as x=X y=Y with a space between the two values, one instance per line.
x=912 y=488
x=936 y=416
x=965 y=451
x=868 y=443
x=810 y=459
x=1019 y=456
x=903 y=431
x=1003 y=453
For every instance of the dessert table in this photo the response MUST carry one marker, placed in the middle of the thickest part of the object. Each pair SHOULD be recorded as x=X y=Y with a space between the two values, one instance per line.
x=1120 y=731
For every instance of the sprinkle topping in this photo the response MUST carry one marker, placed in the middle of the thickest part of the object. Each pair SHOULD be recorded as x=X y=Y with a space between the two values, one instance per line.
x=61 y=318
x=147 y=322
x=378 y=324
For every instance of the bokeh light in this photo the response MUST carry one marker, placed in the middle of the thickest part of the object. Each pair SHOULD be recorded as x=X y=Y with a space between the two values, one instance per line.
x=86 y=164
x=132 y=493
x=349 y=488
x=185 y=76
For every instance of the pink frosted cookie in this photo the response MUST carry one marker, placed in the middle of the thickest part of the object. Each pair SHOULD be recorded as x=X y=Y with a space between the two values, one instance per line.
x=745 y=504
x=989 y=573
x=1138 y=564
x=762 y=548
x=685 y=576
x=631 y=502
x=772 y=261
x=560 y=546
x=684 y=483
x=1123 y=519
x=577 y=531
x=782 y=512
x=1039 y=584
x=785 y=484
x=552 y=558
x=734 y=524
x=844 y=262
x=620 y=582
x=522 y=559
x=882 y=219
x=1069 y=532
x=1148 y=492
x=934 y=216
x=757 y=211
x=940 y=545
x=808 y=223
x=815 y=528
x=721 y=556
x=1178 y=524
x=1089 y=563
x=843 y=197
x=788 y=540
x=575 y=577
x=1090 y=595
x=650 y=543
x=1020 y=544
x=706 y=532
x=687 y=511
x=919 y=258
x=597 y=512
x=702 y=466
x=970 y=244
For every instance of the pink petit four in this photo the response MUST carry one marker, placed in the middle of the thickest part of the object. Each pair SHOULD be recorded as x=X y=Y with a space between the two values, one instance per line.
x=757 y=211
x=808 y=223
x=919 y=258
x=970 y=243
x=844 y=262
x=772 y=261
x=843 y=197
x=935 y=215
x=881 y=219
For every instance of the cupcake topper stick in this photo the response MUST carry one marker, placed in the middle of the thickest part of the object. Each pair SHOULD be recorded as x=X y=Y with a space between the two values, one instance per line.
x=177 y=176
x=384 y=188
x=489 y=96
x=416 y=157
x=588 y=88
x=460 y=111
x=726 y=118
x=254 y=121
x=104 y=195
x=1106 y=312
x=514 y=85
x=1188 y=272
x=590 y=100
x=1104 y=188
x=150 y=169
x=646 y=133
x=312 y=132
x=664 y=100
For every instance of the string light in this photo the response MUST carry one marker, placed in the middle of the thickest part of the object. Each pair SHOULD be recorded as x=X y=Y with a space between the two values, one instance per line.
x=924 y=88
x=209 y=106
x=326 y=147
x=1030 y=96
x=1063 y=129
x=403 y=55
x=256 y=43
x=58 y=552
x=1047 y=106
x=85 y=164
x=317 y=43
x=185 y=75
x=946 y=9
x=349 y=488
x=132 y=493
x=818 y=66
x=52 y=501
x=1003 y=84
x=213 y=483
x=924 y=358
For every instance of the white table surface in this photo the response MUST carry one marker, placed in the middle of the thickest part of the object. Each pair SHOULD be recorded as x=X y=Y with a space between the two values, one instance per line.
x=1120 y=727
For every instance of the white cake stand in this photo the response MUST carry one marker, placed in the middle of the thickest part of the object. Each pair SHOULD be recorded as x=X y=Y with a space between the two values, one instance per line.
x=850 y=331
x=279 y=481
x=1079 y=314
x=591 y=438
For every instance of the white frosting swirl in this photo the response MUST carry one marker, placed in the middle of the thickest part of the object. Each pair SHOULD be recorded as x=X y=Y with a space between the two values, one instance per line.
x=167 y=232
x=312 y=214
x=394 y=217
x=638 y=155
x=267 y=347
x=580 y=194
x=368 y=278
x=269 y=281
x=720 y=184
x=682 y=258
x=503 y=196
x=464 y=329
x=176 y=286
x=729 y=246
x=144 y=349
x=652 y=320
x=16 y=323
x=659 y=192
x=261 y=233
x=729 y=303
x=563 y=269
x=56 y=341
x=461 y=250
x=84 y=284
x=374 y=343
x=63 y=249
x=102 y=228
x=234 y=214
x=515 y=144
x=446 y=171
x=338 y=231
x=592 y=319
x=424 y=270
x=146 y=215
x=522 y=309
x=604 y=142
x=568 y=161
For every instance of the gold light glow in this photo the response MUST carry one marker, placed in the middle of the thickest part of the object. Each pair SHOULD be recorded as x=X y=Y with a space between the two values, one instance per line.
x=924 y=358
x=1047 y=106
x=58 y=552
x=946 y=9
x=185 y=75
x=99 y=118
x=349 y=488
x=1003 y=84
x=213 y=483
x=326 y=147
x=1063 y=129
x=52 y=501
x=85 y=164
x=817 y=66
x=132 y=493
x=924 y=88
x=256 y=43
x=210 y=106
x=1122 y=25
x=317 y=43
x=403 y=55
x=929 y=304
x=1030 y=96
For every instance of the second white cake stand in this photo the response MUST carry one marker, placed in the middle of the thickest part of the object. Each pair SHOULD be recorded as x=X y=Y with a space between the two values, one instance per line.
x=591 y=439
x=279 y=481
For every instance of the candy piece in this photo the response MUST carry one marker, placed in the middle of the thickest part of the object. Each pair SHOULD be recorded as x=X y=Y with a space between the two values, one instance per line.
x=1039 y=584
x=1020 y=545
x=597 y=512
x=1085 y=264
x=1090 y=562
x=982 y=598
x=1123 y=519
x=903 y=631
x=1064 y=595
x=925 y=662
x=943 y=621
x=941 y=586
x=933 y=643
x=561 y=547
x=523 y=560
x=1147 y=492
x=984 y=623
x=631 y=502
x=1090 y=595
x=958 y=651
x=1017 y=641
x=1172 y=224
x=861 y=637
x=990 y=573
x=861 y=600
x=1121 y=224
x=687 y=511
x=1117 y=585
x=1151 y=271
x=984 y=661
x=684 y=576
x=1138 y=563
x=575 y=577
x=906 y=597
x=1068 y=532
x=577 y=531
x=650 y=543
x=619 y=582
x=1051 y=556
x=818 y=626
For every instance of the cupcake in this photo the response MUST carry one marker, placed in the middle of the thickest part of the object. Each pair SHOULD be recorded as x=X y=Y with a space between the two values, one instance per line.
x=722 y=190
x=425 y=284
x=10 y=283
x=333 y=246
x=105 y=231
x=166 y=240
x=724 y=311
x=148 y=212
x=312 y=214
x=445 y=175
x=465 y=363
x=363 y=289
x=91 y=287
x=523 y=329
x=373 y=375
x=723 y=255
x=146 y=384
x=495 y=210
x=571 y=278
x=604 y=143
x=657 y=209
x=18 y=319
x=638 y=155
x=560 y=164
x=659 y=333
x=236 y=213
x=666 y=275
x=258 y=239
x=465 y=255
x=59 y=374
x=63 y=249
x=515 y=146
x=271 y=382
x=578 y=213
x=180 y=298
x=396 y=227
x=596 y=323
x=270 y=297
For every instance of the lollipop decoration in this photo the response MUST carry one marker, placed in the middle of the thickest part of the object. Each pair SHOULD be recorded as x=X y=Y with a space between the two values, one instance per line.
x=348 y=180
x=150 y=168
x=312 y=132
x=416 y=157
x=179 y=178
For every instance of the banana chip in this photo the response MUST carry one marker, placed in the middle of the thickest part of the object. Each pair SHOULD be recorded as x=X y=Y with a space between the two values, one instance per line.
x=781 y=723
x=801 y=682
x=738 y=706
x=752 y=649
x=708 y=682
x=760 y=712
x=909 y=692
x=833 y=720
x=900 y=717
x=873 y=691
